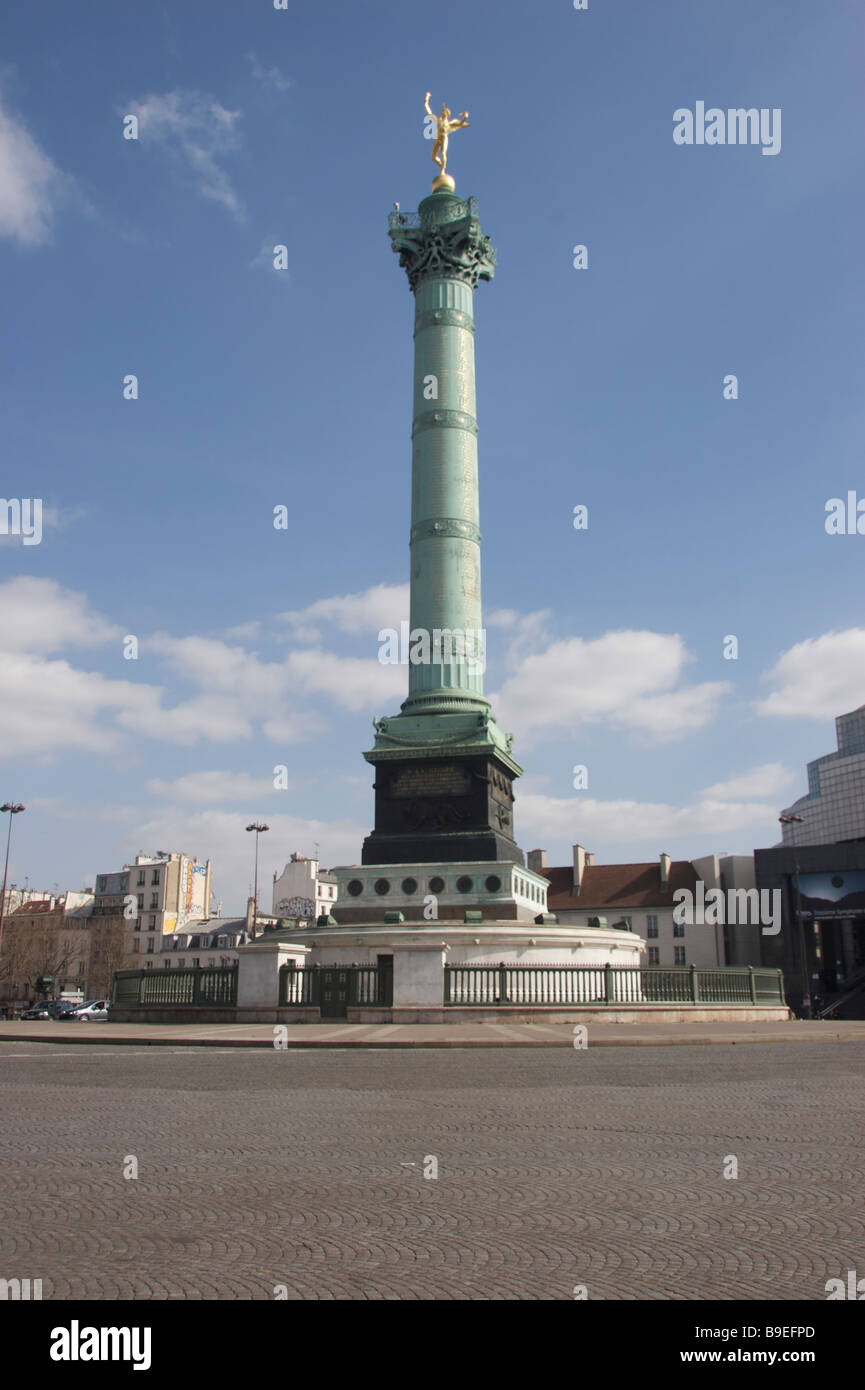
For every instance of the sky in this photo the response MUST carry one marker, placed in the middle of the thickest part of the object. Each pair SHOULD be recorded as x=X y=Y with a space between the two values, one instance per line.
x=605 y=386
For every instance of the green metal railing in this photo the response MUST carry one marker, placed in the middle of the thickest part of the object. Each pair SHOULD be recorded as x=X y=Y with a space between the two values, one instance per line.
x=358 y=984
x=192 y=986
x=604 y=985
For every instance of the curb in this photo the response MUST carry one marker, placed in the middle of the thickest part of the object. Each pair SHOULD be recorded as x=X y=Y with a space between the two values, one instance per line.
x=385 y=1044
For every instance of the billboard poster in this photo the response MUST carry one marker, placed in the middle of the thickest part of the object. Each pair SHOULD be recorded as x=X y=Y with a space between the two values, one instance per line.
x=193 y=892
x=840 y=894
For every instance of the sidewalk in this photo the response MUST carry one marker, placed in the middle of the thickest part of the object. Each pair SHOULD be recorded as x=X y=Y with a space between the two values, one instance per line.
x=492 y=1034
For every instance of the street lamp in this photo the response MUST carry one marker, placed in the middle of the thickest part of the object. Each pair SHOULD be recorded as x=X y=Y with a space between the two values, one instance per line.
x=13 y=808
x=806 y=983
x=258 y=828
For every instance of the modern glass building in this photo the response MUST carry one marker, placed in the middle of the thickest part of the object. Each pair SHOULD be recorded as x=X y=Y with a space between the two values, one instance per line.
x=833 y=810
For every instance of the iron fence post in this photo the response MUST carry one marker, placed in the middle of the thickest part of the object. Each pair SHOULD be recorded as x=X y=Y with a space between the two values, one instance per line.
x=608 y=983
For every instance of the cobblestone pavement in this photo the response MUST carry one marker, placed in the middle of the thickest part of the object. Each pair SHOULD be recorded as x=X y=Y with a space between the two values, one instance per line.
x=556 y=1168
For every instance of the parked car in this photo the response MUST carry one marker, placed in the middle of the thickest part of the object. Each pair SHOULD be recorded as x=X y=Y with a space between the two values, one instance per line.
x=36 y=1011
x=93 y=1010
x=61 y=1008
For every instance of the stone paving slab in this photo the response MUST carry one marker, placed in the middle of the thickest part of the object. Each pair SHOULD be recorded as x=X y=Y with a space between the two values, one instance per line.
x=492 y=1034
x=301 y=1174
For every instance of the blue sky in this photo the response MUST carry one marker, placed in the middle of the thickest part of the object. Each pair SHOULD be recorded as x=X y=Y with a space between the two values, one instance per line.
x=260 y=387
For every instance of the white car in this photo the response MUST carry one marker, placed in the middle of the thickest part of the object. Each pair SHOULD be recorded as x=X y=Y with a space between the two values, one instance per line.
x=93 y=1010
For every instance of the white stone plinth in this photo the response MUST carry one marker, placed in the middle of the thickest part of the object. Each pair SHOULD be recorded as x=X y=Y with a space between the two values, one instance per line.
x=417 y=973
x=258 y=971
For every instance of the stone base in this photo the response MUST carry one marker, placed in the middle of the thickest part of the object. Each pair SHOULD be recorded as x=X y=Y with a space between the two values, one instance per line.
x=500 y=890
x=185 y=1013
x=435 y=806
x=539 y=1013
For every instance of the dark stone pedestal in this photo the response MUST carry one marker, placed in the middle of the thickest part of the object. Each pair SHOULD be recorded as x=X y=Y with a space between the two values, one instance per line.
x=442 y=810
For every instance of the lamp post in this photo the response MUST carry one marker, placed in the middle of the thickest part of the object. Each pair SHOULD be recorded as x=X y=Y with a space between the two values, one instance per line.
x=13 y=808
x=258 y=828
x=806 y=983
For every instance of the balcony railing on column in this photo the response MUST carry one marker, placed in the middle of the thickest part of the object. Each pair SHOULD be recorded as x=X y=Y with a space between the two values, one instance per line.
x=605 y=985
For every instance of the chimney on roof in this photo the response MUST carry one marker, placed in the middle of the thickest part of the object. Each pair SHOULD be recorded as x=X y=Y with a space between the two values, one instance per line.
x=250 y=916
x=590 y=858
x=665 y=870
x=580 y=858
x=536 y=859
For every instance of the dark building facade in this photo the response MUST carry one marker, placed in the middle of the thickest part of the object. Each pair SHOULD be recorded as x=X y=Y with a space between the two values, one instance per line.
x=821 y=944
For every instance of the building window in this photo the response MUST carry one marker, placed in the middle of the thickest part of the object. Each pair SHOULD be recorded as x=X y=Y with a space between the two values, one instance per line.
x=152 y=923
x=679 y=929
x=100 y=885
x=154 y=877
x=136 y=946
x=196 y=962
x=652 y=927
x=140 y=902
x=141 y=878
x=150 y=945
x=154 y=899
x=138 y=924
x=679 y=956
x=148 y=965
x=654 y=955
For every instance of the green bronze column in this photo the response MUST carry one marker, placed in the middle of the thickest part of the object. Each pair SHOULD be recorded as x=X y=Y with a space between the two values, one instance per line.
x=444 y=254
x=444 y=769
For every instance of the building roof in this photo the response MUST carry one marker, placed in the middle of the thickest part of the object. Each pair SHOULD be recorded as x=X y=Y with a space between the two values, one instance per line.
x=206 y=931
x=617 y=885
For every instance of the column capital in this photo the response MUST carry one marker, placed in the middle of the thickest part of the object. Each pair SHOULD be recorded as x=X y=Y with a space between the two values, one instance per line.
x=442 y=240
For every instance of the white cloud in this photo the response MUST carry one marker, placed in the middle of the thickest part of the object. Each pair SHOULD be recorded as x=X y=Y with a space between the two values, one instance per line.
x=212 y=788
x=198 y=132
x=268 y=77
x=29 y=184
x=588 y=821
x=818 y=678
x=71 y=810
x=219 y=836
x=48 y=705
x=40 y=616
x=523 y=635
x=384 y=605
x=770 y=779
x=352 y=683
x=626 y=679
